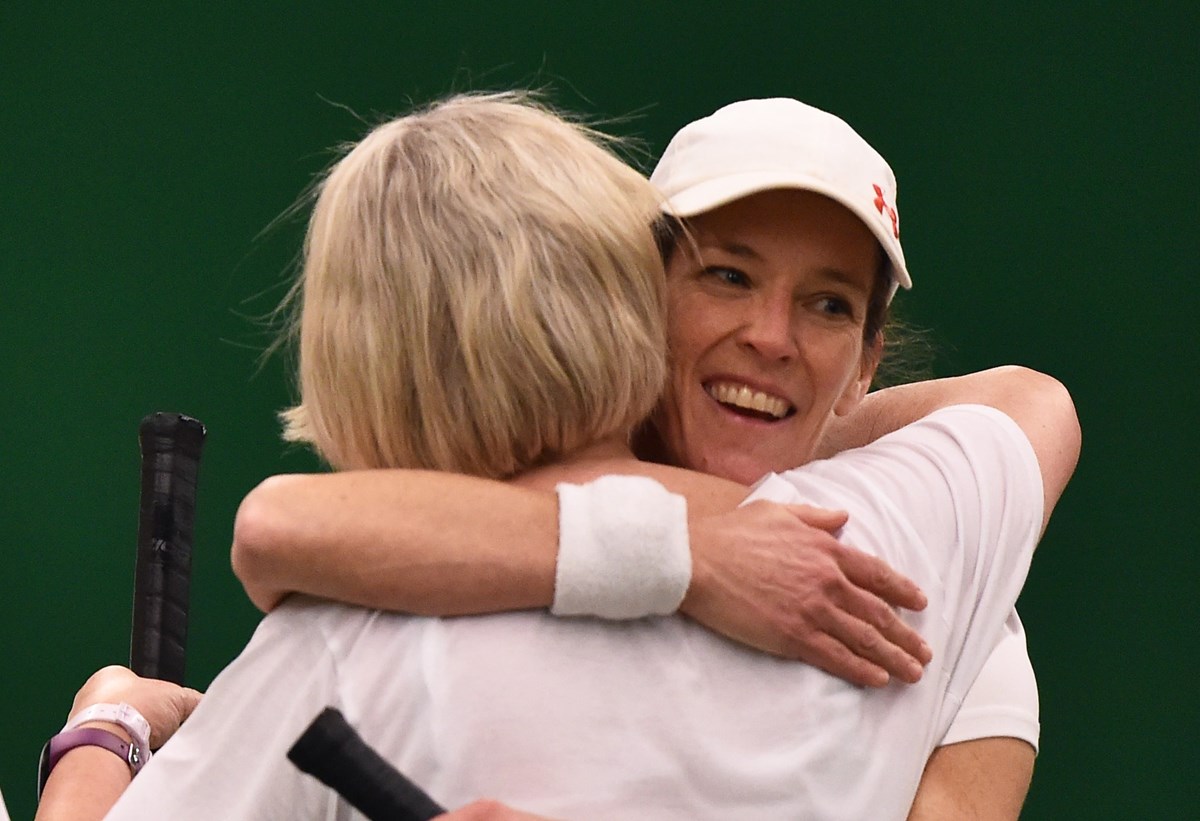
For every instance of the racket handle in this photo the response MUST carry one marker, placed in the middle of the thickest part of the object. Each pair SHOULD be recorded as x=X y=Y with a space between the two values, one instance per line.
x=331 y=751
x=170 y=445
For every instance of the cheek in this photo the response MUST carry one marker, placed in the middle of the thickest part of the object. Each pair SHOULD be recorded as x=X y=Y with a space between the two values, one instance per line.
x=836 y=365
x=853 y=387
x=689 y=335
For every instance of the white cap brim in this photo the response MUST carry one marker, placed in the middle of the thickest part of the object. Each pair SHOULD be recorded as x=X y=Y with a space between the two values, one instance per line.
x=758 y=145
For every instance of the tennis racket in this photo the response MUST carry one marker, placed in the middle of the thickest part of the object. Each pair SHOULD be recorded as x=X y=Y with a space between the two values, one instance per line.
x=171 y=446
x=331 y=751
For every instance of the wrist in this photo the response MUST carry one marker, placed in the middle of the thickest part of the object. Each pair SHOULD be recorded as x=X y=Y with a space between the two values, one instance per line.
x=108 y=726
x=623 y=549
x=701 y=580
x=105 y=742
x=131 y=724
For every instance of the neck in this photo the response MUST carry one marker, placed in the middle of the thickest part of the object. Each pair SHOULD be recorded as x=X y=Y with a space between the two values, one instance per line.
x=706 y=495
x=587 y=463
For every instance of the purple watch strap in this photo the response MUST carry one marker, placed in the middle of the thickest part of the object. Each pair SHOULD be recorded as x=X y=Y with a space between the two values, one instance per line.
x=95 y=737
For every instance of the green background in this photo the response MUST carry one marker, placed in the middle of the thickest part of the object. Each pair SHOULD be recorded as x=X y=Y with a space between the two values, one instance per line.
x=1048 y=164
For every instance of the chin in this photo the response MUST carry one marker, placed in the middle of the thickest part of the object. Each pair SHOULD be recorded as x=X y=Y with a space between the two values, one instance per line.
x=737 y=467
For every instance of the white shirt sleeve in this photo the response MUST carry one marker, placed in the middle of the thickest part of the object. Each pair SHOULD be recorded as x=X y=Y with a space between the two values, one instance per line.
x=228 y=760
x=1003 y=701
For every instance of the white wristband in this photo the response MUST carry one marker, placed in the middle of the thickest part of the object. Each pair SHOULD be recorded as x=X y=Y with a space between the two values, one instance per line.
x=622 y=549
x=125 y=716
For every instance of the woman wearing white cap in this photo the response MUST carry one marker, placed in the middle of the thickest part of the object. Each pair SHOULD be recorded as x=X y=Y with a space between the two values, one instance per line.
x=777 y=296
x=806 y=166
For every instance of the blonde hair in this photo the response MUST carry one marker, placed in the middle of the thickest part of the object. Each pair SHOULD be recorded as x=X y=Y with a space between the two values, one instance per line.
x=481 y=293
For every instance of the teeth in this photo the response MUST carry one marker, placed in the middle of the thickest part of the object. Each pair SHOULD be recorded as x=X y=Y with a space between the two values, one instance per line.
x=743 y=397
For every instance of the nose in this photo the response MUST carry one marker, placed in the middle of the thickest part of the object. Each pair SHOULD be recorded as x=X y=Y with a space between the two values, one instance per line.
x=768 y=329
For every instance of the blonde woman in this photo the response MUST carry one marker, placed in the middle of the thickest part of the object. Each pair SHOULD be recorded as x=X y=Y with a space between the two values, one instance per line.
x=481 y=293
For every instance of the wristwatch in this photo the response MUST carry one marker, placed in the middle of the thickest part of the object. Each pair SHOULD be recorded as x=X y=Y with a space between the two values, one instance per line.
x=129 y=751
x=135 y=753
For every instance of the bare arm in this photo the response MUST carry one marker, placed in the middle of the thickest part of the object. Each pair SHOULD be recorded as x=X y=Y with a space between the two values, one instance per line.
x=986 y=779
x=88 y=780
x=1038 y=403
x=414 y=541
x=84 y=786
x=442 y=544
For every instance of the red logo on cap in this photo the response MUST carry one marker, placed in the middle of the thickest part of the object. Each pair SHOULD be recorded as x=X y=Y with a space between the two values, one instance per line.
x=881 y=204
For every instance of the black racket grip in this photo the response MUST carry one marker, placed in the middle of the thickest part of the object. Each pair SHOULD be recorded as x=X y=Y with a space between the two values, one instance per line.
x=171 y=445
x=331 y=751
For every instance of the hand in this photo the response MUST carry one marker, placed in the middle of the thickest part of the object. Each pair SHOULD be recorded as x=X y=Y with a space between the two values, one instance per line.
x=164 y=705
x=773 y=577
x=489 y=811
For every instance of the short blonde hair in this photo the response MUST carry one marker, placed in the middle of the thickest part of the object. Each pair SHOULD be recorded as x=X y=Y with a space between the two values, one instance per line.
x=481 y=293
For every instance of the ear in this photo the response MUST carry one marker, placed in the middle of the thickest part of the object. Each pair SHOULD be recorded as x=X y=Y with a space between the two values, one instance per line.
x=857 y=389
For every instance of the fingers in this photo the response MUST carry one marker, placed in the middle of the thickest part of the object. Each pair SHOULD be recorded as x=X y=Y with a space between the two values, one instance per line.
x=187 y=701
x=487 y=810
x=879 y=615
x=835 y=658
x=873 y=574
x=896 y=649
x=866 y=571
x=790 y=588
x=165 y=705
x=819 y=517
x=868 y=625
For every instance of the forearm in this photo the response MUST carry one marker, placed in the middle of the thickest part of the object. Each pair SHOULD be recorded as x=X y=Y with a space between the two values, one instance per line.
x=884 y=411
x=1038 y=403
x=87 y=780
x=84 y=786
x=413 y=541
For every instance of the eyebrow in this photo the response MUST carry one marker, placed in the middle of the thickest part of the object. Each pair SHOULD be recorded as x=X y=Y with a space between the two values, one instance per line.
x=840 y=276
x=736 y=249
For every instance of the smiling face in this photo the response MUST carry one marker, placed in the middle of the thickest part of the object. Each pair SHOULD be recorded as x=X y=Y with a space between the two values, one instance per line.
x=766 y=313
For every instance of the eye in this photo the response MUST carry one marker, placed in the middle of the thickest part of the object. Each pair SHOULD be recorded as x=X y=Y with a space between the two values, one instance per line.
x=834 y=306
x=728 y=276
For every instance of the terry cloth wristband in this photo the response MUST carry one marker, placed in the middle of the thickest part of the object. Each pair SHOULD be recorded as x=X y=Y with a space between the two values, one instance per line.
x=622 y=549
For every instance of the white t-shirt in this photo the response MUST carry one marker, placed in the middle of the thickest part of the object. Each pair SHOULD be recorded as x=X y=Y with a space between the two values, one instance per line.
x=653 y=719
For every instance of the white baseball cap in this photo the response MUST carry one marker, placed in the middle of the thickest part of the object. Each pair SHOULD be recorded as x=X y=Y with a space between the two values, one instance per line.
x=757 y=145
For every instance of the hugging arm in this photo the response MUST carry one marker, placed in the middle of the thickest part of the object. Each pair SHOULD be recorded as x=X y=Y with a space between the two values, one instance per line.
x=435 y=544
x=1038 y=403
x=444 y=544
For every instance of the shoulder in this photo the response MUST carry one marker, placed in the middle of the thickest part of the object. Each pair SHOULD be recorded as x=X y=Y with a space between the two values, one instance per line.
x=958 y=447
x=959 y=484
